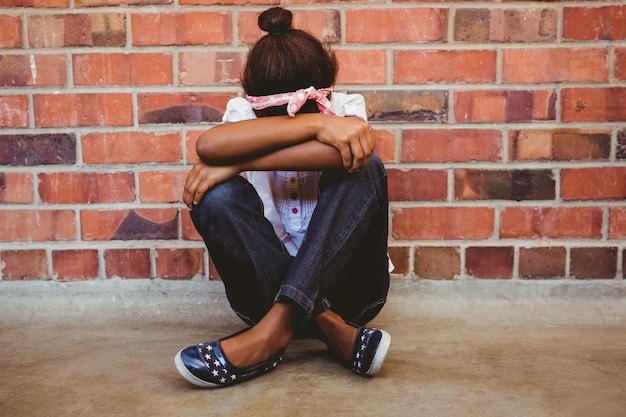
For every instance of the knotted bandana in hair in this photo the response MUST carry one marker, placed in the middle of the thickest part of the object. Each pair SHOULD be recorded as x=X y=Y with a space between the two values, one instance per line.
x=294 y=101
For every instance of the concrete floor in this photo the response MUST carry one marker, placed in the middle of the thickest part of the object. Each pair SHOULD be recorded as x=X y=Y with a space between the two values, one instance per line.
x=458 y=349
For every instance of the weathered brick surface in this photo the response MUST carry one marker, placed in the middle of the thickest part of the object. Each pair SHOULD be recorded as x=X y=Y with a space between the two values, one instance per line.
x=16 y=187
x=33 y=70
x=14 y=111
x=86 y=188
x=417 y=185
x=71 y=265
x=555 y=65
x=179 y=263
x=42 y=149
x=593 y=23
x=10 y=31
x=541 y=263
x=24 y=264
x=122 y=69
x=396 y=25
x=518 y=185
x=437 y=262
x=489 y=262
x=594 y=183
x=590 y=263
x=559 y=145
x=502 y=126
x=504 y=106
x=505 y=25
x=127 y=263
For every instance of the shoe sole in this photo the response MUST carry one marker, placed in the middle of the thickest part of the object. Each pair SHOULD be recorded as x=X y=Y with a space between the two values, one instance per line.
x=185 y=373
x=381 y=353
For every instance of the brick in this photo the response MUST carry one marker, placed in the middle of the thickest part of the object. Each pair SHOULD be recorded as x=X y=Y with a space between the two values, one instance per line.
x=182 y=263
x=505 y=25
x=24 y=265
x=13 y=111
x=417 y=184
x=553 y=65
x=606 y=183
x=37 y=225
x=11 y=31
x=193 y=28
x=214 y=275
x=489 y=262
x=122 y=69
x=542 y=262
x=621 y=144
x=594 y=104
x=385 y=144
x=34 y=3
x=97 y=29
x=127 y=263
x=594 y=23
x=504 y=106
x=131 y=148
x=210 y=67
x=620 y=63
x=33 y=70
x=517 y=184
x=86 y=187
x=551 y=222
x=181 y=107
x=406 y=106
x=352 y=62
x=437 y=262
x=617 y=222
x=188 y=229
x=222 y=2
x=427 y=66
x=396 y=25
x=191 y=138
x=81 y=264
x=137 y=224
x=161 y=186
x=420 y=223
x=323 y=24
x=95 y=3
x=593 y=263
x=559 y=145
x=451 y=145
x=89 y=109
x=39 y=149
x=400 y=257
x=16 y=188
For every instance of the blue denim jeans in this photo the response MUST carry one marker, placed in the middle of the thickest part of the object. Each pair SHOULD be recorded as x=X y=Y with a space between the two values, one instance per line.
x=342 y=263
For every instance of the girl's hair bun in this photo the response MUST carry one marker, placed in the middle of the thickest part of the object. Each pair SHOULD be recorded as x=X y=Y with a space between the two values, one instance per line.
x=275 y=20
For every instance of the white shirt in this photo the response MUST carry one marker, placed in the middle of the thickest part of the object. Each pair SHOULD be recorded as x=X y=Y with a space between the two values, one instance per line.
x=289 y=197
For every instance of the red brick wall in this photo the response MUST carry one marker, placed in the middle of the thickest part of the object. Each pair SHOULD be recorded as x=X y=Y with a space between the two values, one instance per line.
x=502 y=124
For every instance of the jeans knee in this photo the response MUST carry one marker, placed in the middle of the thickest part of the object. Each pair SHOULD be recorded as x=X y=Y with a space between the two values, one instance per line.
x=221 y=199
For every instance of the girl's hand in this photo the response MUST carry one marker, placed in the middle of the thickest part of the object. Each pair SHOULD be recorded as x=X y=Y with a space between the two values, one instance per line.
x=352 y=137
x=203 y=177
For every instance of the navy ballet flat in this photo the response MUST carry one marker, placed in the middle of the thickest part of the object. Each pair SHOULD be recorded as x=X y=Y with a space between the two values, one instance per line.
x=206 y=366
x=370 y=349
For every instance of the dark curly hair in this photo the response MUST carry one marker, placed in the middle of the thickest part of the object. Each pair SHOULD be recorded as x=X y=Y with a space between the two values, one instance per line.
x=286 y=60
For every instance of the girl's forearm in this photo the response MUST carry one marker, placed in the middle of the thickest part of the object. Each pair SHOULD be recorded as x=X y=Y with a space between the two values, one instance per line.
x=234 y=142
x=307 y=156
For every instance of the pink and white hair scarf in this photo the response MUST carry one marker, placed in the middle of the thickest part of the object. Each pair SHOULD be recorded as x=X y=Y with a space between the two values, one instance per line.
x=295 y=100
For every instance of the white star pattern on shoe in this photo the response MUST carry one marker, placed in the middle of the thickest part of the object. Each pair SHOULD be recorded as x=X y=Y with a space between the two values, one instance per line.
x=216 y=362
x=215 y=373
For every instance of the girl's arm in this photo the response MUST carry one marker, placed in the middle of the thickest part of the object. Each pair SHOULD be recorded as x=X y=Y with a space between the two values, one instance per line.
x=307 y=156
x=253 y=140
